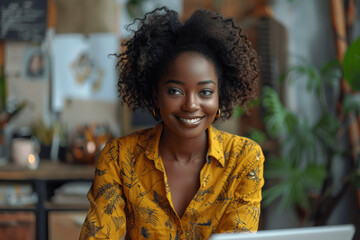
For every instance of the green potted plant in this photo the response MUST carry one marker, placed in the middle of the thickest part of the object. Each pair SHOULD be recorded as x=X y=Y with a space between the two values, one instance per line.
x=49 y=137
x=303 y=167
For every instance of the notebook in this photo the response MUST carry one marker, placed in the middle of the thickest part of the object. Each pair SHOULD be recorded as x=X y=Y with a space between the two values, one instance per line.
x=338 y=232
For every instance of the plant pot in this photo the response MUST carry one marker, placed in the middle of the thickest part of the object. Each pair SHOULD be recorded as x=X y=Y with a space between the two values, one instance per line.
x=45 y=152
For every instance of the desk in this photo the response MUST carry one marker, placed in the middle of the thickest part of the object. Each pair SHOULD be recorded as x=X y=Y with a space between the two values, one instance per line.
x=48 y=175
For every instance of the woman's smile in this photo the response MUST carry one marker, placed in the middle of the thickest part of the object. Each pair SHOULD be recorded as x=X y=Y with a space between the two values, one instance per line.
x=191 y=121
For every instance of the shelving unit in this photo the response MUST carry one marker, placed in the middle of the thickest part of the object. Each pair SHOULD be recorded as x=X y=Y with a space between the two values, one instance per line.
x=45 y=180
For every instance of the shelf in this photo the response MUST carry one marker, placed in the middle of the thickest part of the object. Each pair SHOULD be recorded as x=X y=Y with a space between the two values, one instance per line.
x=4 y=208
x=71 y=206
x=48 y=171
x=44 y=180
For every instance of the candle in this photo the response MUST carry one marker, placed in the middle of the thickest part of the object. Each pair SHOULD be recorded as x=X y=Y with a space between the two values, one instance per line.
x=22 y=148
x=33 y=161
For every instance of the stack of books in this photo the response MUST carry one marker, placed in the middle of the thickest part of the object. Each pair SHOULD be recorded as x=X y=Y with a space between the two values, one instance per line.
x=72 y=193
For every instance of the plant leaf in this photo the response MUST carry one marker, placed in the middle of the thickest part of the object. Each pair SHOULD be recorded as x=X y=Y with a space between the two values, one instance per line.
x=239 y=111
x=352 y=104
x=312 y=75
x=351 y=65
x=325 y=129
x=355 y=179
x=257 y=135
x=277 y=168
x=277 y=118
x=315 y=174
x=331 y=72
x=274 y=192
x=301 y=144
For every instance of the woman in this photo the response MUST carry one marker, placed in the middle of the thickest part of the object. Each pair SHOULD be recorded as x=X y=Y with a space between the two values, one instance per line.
x=182 y=179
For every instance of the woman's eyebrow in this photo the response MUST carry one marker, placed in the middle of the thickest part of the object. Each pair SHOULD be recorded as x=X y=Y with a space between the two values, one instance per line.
x=206 y=82
x=174 y=81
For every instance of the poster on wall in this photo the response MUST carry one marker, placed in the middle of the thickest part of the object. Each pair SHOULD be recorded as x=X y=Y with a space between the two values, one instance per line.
x=83 y=68
x=23 y=20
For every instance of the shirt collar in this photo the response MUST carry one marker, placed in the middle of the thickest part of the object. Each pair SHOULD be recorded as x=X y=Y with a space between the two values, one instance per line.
x=152 y=148
x=215 y=140
x=216 y=149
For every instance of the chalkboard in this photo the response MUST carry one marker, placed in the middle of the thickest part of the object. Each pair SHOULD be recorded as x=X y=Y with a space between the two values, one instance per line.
x=23 y=20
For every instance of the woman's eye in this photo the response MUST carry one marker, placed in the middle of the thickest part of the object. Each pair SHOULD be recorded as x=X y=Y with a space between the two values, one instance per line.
x=206 y=92
x=174 y=91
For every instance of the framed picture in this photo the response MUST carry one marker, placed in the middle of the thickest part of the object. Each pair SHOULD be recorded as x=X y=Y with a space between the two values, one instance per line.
x=35 y=64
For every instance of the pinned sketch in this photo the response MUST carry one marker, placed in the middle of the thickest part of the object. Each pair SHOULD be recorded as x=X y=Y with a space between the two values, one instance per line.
x=35 y=64
x=83 y=68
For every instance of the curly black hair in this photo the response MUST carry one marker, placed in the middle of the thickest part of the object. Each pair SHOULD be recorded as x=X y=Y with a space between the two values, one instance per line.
x=161 y=37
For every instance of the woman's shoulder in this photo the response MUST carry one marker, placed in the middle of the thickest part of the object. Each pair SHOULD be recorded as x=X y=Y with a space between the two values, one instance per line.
x=240 y=149
x=133 y=138
x=231 y=140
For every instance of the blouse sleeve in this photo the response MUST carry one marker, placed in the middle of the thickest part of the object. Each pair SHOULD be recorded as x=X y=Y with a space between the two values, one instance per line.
x=105 y=218
x=242 y=215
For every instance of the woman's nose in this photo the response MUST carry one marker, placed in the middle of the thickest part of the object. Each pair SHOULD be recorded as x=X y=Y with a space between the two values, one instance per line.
x=191 y=103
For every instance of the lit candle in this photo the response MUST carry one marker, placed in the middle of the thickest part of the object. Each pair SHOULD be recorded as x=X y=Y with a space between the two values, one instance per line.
x=33 y=161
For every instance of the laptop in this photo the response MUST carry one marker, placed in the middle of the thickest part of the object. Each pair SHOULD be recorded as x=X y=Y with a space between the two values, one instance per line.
x=337 y=232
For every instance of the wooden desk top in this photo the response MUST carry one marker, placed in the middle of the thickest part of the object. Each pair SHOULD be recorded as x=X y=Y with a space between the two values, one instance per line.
x=47 y=170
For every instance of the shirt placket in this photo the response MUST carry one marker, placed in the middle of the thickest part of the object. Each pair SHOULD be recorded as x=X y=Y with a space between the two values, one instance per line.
x=204 y=180
x=160 y=166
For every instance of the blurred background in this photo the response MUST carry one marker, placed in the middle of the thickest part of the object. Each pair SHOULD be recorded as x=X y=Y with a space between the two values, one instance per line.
x=59 y=105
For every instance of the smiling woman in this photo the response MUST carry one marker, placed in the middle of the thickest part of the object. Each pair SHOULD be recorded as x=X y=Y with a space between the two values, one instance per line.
x=182 y=179
x=187 y=96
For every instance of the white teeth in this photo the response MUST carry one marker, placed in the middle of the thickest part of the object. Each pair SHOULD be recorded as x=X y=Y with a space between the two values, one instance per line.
x=191 y=121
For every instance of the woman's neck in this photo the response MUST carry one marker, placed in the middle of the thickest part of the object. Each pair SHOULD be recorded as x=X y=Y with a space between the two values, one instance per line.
x=182 y=150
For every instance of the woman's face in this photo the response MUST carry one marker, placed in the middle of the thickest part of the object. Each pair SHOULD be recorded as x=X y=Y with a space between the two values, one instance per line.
x=188 y=96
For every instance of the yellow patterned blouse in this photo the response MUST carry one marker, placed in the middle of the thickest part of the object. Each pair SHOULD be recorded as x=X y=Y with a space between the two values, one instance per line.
x=130 y=193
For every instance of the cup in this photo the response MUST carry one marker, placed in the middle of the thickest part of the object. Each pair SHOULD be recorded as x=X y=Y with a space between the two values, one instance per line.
x=23 y=153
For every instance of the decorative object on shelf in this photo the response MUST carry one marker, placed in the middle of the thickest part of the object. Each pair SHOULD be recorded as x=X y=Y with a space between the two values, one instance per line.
x=51 y=139
x=88 y=142
x=33 y=161
x=17 y=195
x=24 y=153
